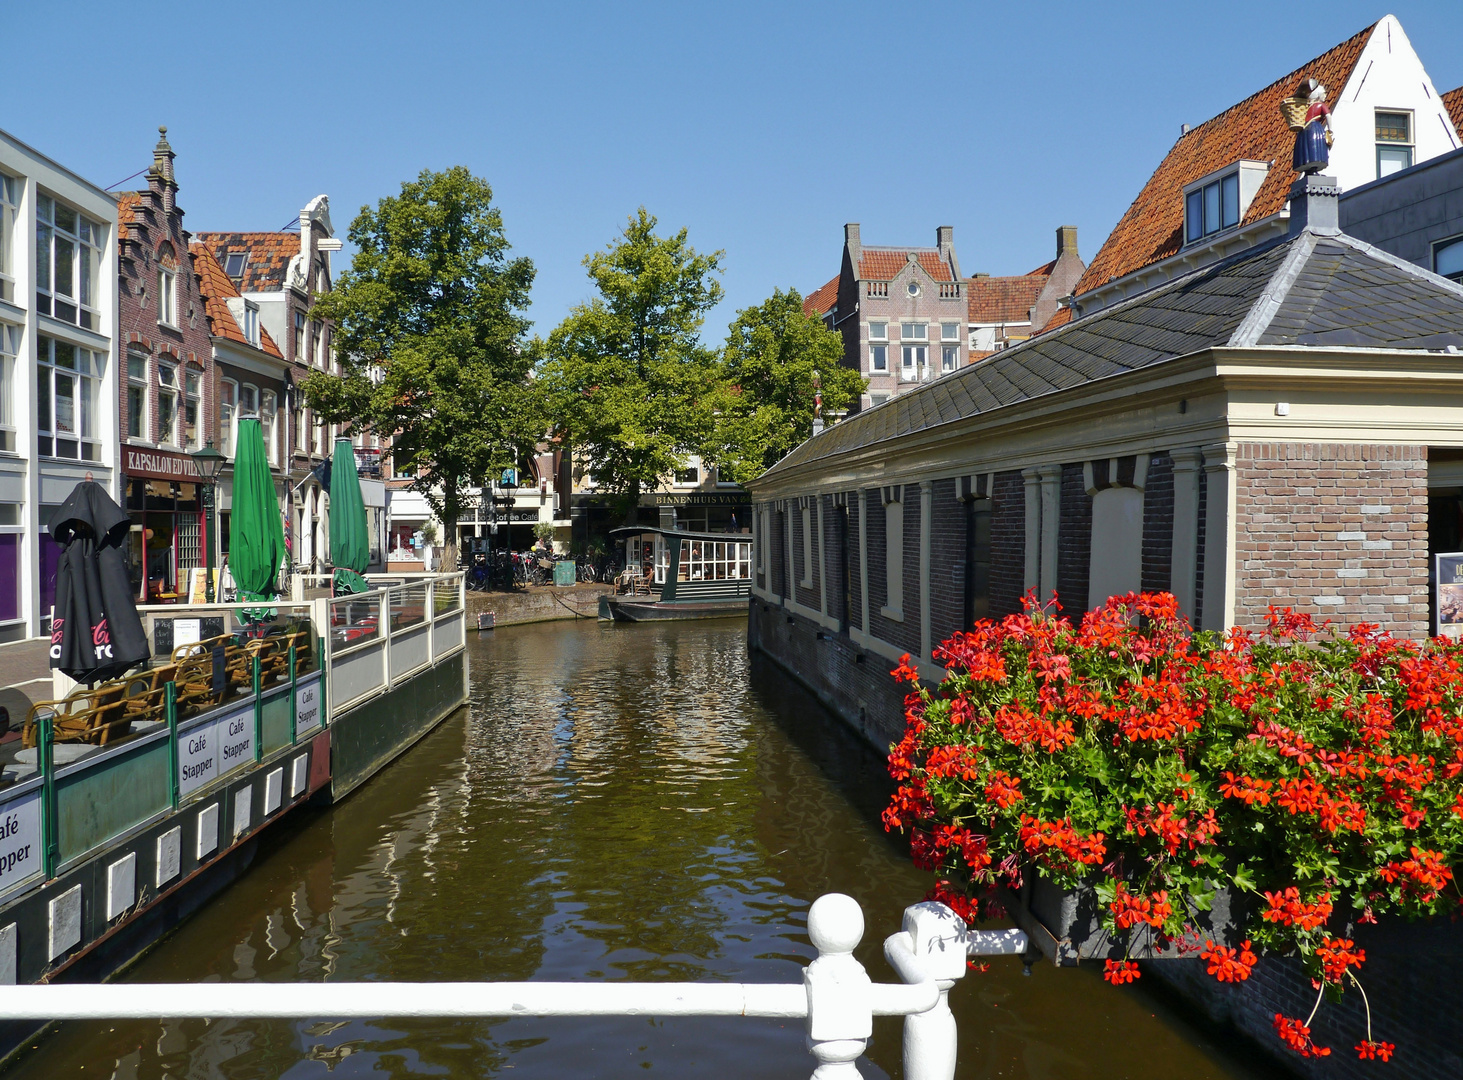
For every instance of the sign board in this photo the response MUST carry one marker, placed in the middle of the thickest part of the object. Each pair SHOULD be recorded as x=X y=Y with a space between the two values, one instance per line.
x=704 y=498
x=307 y=706
x=236 y=739
x=210 y=750
x=20 y=839
x=485 y=620
x=1449 y=579
x=186 y=631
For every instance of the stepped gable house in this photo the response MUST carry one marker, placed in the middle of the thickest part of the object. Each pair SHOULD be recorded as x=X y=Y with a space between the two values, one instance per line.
x=168 y=386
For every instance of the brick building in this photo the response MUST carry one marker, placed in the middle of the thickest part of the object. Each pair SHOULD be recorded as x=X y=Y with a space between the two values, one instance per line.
x=168 y=389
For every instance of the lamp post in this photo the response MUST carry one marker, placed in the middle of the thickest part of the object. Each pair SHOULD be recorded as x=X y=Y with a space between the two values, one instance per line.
x=210 y=464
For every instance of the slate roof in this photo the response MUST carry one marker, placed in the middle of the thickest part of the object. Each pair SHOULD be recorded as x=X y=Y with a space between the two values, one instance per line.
x=1254 y=130
x=821 y=299
x=217 y=288
x=881 y=264
x=269 y=255
x=1317 y=289
x=1453 y=102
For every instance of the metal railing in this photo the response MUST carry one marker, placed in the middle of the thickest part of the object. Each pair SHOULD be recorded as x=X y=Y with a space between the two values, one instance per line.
x=837 y=999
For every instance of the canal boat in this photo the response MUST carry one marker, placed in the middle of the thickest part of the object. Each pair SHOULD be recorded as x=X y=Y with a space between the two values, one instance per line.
x=125 y=807
x=676 y=574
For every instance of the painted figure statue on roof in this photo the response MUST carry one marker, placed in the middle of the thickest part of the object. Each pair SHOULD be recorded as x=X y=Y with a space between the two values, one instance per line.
x=1309 y=117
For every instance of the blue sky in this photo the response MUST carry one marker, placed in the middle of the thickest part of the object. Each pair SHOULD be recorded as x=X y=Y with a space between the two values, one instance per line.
x=761 y=128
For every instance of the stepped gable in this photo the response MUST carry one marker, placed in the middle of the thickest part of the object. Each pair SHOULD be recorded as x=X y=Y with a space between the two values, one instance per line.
x=1152 y=228
x=269 y=256
x=217 y=289
x=821 y=300
x=1320 y=289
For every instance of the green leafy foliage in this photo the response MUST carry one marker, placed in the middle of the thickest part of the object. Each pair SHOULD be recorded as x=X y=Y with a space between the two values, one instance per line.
x=430 y=333
x=775 y=360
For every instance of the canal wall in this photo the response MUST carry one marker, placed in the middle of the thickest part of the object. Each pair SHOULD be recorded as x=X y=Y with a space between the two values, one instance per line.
x=541 y=603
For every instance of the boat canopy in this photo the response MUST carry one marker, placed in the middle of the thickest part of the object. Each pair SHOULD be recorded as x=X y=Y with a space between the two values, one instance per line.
x=624 y=532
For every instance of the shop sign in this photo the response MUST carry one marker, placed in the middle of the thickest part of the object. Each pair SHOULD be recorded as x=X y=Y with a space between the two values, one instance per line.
x=704 y=498
x=1449 y=577
x=159 y=464
x=307 y=706
x=210 y=750
x=20 y=839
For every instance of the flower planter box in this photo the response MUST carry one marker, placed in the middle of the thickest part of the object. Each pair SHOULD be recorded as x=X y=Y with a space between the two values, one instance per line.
x=1067 y=926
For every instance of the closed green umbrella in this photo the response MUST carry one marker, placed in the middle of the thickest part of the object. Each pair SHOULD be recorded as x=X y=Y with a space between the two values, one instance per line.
x=256 y=529
x=350 y=546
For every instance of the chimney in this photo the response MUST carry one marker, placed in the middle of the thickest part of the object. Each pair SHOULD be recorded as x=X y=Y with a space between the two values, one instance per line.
x=945 y=241
x=852 y=243
x=162 y=169
x=1315 y=202
x=1067 y=241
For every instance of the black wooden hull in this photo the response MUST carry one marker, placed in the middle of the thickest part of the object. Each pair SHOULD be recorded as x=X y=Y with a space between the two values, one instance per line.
x=627 y=609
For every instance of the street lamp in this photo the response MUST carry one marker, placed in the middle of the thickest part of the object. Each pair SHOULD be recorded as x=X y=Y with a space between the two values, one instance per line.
x=209 y=463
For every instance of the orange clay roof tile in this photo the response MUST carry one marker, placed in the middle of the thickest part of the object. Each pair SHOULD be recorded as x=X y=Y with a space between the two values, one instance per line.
x=1152 y=229
x=1003 y=299
x=1061 y=318
x=821 y=299
x=269 y=255
x=217 y=289
x=1453 y=102
x=881 y=264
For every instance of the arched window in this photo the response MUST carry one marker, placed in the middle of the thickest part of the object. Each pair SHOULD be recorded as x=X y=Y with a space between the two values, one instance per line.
x=1448 y=259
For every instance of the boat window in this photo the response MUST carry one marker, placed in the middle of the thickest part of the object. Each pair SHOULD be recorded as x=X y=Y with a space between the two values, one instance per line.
x=715 y=560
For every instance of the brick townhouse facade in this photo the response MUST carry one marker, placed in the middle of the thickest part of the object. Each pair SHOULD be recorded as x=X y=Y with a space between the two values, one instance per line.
x=168 y=388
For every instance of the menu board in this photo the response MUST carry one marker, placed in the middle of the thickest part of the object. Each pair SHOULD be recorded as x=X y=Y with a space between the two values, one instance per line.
x=1449 y=584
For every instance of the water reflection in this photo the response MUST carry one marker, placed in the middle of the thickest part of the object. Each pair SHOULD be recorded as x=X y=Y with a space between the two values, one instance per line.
x=617 y=803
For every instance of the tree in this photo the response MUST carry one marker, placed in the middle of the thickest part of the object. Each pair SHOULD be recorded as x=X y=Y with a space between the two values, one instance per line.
x=774 y=353
x=430 y=337
x=629 y=383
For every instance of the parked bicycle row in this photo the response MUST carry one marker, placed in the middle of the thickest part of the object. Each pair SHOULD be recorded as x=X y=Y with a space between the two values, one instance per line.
x=513 y=569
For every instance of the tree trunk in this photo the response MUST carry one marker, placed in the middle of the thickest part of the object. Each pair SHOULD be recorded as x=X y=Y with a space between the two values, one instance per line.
x=632 y=512
x=451 y=505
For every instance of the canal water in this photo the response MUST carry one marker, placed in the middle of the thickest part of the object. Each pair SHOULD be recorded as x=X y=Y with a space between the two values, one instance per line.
x=617 y=803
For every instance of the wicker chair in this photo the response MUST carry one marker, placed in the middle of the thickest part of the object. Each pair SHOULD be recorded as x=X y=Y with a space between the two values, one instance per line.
x=85 y=716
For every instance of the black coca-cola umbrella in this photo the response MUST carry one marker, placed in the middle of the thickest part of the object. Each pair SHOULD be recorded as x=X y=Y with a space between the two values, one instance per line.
x=96 y=633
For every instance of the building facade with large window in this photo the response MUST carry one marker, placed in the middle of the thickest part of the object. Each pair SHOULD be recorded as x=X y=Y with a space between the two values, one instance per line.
x=58 y=367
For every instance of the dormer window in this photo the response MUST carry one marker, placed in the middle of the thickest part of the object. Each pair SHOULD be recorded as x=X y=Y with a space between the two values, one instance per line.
x=251 y=323
x=1212 y=207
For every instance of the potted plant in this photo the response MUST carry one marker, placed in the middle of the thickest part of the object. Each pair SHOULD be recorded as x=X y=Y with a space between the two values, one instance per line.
x=1148 y=791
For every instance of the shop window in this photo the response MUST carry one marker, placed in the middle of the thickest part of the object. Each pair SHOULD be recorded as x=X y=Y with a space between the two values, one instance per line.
x=68 y=260
x=167 y=405
x=67 y=385
x=9 y=202
x=228 y=407
x=9 y=347
x=137 y=396
x=9 y=576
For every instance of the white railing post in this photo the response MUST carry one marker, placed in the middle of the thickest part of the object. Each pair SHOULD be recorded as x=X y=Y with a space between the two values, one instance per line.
x=385 y=629
x=932 y=946
x=840 y=994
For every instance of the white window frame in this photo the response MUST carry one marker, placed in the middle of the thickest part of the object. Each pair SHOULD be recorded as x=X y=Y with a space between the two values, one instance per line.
x=914 y=331
x=251 y=323
x=169 y=388
x=912 y=360
x=949 y=357
x=299 y=356
x=167 y=297
x=192 y=391
x=87 y=239
x=1198 y=226
x=879 y=357
x=9 y=211
x=269 y=424
x=89 y=371
x=1410 y=145
x=142 y=385
x=878 y=329
x=950 y=331
x=9 y=350
x=228 y=415
x=691 y=465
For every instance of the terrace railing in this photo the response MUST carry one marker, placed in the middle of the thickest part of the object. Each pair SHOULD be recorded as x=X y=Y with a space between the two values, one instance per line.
x=836 y=998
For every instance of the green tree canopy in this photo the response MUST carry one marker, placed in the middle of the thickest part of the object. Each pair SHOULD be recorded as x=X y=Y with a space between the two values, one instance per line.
x=629 y=382
x=430 y=334
x=774 y=356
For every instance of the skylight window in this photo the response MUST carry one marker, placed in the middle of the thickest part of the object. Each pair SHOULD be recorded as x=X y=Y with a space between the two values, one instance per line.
x=234 y=264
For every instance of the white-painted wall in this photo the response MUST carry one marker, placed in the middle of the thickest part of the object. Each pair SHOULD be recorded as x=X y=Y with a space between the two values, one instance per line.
x=1388 y=76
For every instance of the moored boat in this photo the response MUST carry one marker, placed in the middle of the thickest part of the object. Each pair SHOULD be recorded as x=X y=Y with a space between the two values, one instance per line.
x=675 y=574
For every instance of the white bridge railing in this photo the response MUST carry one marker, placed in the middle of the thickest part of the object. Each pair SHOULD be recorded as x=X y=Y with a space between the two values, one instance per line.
x=837 y=998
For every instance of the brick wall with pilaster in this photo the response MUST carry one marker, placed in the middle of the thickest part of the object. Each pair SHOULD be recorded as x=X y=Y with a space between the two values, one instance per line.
x=831 y=564
x=1074 y=543
x=947 y=562
x=856 y=558
x=1336 y=530
x=777 y=553
x=759 y=540
x=807 y=595
x=1008 y=544
x=1158 y=525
